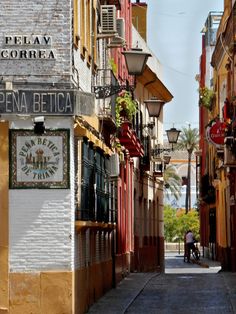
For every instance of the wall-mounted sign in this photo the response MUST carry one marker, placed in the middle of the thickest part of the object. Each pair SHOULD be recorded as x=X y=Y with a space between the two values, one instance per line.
x=37 y=102
x=27 y=47
x=39 y=161
x=215 y=133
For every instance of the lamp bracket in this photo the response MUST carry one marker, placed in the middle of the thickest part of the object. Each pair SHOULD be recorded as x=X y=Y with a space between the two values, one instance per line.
x=158 y=151
x=149 y=125
x=109 y=90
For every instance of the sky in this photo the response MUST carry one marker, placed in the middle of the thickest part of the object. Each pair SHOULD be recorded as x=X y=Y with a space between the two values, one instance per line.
x=174 y=36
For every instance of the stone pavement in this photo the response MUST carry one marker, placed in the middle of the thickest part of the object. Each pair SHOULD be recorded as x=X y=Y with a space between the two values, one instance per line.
x=124 y=296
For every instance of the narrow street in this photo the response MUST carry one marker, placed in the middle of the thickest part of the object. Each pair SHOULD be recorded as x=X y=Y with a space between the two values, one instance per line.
x=184 y=288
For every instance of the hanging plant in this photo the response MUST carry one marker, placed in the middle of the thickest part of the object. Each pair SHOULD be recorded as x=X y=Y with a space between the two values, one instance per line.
x=126 y=107
x=206 y=97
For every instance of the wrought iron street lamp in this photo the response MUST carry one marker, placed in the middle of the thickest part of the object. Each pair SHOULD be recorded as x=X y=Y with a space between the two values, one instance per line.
x=154 y=106
x=173 y=135
x=136 y=60
x=167 y=159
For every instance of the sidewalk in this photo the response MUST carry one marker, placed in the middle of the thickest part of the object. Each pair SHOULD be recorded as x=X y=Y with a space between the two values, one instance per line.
x=117 y=300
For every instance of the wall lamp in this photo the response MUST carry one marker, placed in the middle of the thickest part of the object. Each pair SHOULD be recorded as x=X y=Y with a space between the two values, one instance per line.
x=135 y=60
x=154 y=106
x=149 y=125
x=167 y=159
x=172 y=135
x=39 y=126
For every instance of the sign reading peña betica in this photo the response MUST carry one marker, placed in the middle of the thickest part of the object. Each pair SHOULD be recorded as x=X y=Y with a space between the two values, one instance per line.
x=59 y=102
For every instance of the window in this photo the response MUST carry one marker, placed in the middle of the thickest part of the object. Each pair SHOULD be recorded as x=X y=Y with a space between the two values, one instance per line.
x=97 y=194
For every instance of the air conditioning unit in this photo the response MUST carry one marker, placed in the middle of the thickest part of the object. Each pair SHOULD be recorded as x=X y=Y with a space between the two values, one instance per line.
x=114 y=165
x=119 y=39
x=120 y=25
x=108 y=19
x=229 y=158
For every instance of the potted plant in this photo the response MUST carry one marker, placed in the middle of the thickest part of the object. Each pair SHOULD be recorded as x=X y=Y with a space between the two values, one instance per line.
x=206 y=97
x=126 y=107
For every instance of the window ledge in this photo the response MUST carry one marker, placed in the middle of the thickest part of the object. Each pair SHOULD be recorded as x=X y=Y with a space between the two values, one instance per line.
x=82 y=225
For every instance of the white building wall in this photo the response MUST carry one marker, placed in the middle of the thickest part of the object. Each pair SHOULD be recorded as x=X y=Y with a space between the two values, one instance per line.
x=209 y=68
x=41 y=221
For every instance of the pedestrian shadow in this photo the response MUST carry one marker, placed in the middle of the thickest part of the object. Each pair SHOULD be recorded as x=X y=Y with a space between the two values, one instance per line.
x=174 y=264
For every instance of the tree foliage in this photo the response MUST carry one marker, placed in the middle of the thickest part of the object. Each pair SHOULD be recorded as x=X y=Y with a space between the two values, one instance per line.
x=172 y=182
x=189 y=141
x=177 y=222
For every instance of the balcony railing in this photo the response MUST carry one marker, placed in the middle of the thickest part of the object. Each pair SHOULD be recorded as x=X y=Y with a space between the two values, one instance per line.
x=145 y=160
x=105 y=84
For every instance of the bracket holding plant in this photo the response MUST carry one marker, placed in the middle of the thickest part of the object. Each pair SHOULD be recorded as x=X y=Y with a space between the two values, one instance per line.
x=126 y=107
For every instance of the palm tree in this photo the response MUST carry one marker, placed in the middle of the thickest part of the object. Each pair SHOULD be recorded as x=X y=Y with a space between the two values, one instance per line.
x=189 y=141
x=172 y=182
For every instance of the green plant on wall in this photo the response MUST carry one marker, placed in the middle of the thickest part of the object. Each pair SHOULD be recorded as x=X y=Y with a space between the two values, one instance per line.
x=113 y=66
x=125 y=106
x=206 y=97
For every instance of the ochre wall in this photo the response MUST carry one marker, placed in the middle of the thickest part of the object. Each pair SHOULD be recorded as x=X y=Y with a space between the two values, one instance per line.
x=139 y=18
x=4 y=243
x=91 y=283
x=149 y=256
x=41 y=293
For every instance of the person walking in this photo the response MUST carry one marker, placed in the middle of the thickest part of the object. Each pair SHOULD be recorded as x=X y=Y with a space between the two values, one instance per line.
x=189 y=240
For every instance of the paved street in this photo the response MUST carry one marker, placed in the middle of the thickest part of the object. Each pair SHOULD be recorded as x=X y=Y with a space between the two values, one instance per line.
x=184 y=288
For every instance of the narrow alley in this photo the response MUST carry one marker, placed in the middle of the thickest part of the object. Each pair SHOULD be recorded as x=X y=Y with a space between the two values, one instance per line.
x=183 y=288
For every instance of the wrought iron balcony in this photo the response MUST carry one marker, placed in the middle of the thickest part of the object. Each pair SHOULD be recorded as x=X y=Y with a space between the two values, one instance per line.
x=145 y=160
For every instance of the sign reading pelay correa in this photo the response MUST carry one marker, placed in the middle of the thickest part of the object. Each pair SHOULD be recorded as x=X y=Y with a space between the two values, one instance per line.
x=37 y=102
x=27 y=47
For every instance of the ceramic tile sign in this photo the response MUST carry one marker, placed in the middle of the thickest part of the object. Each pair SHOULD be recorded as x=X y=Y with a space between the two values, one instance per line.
x=39 y=161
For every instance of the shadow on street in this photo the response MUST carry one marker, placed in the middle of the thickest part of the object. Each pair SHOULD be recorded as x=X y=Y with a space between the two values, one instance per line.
x=184 y=288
